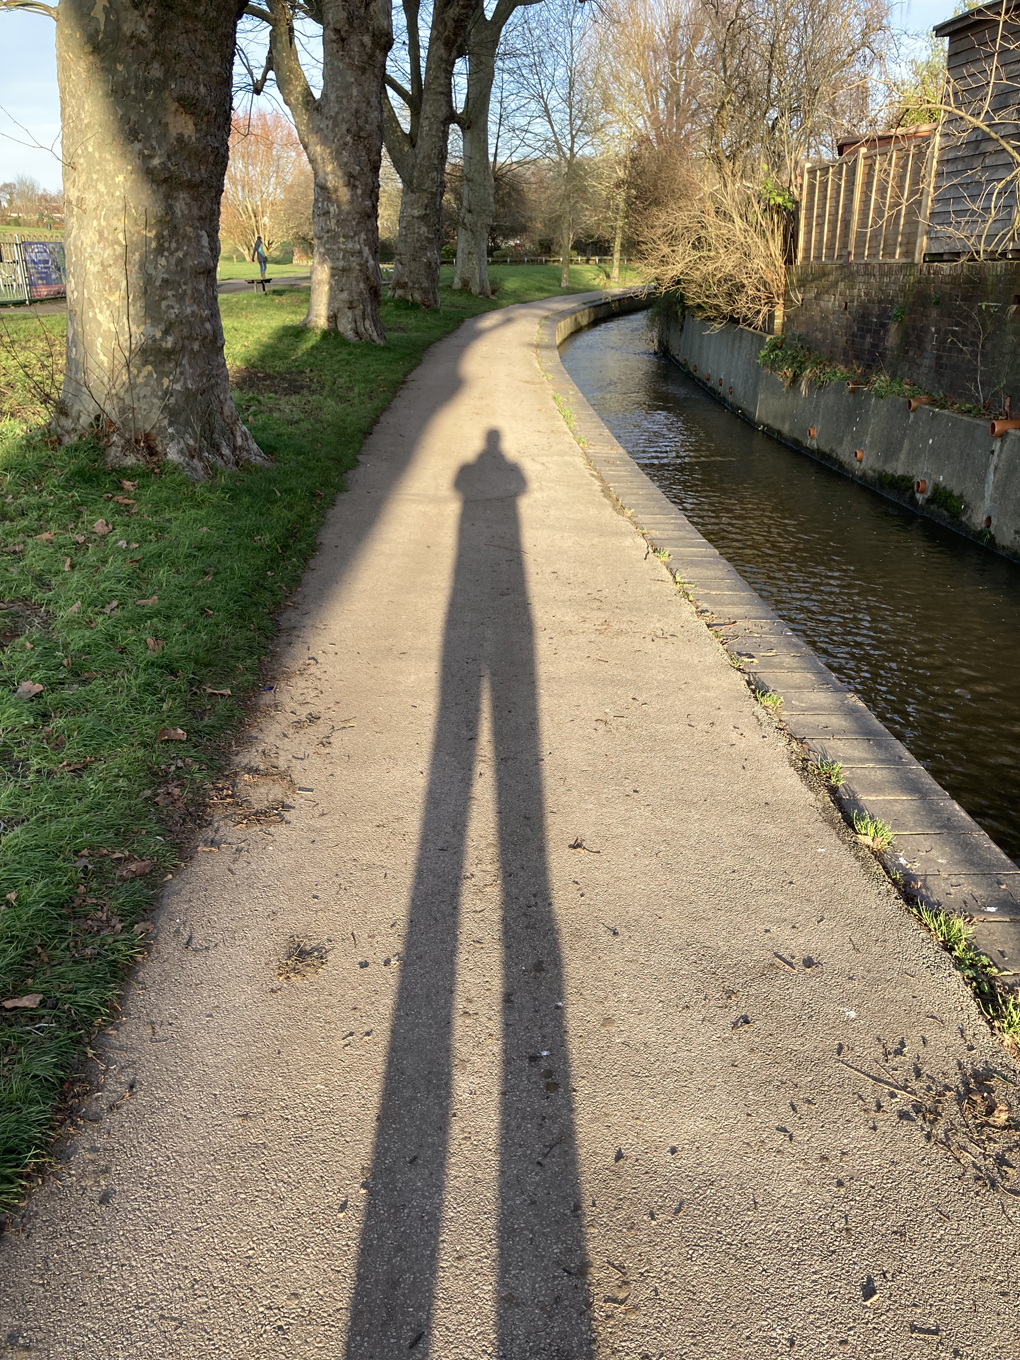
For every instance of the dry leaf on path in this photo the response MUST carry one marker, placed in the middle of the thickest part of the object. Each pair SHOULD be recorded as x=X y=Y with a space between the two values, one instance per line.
x=23 y=1002
x=172 y=734
x=28 y=689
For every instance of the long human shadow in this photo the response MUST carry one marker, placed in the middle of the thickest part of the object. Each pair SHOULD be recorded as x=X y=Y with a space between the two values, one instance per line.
x=542 y=1295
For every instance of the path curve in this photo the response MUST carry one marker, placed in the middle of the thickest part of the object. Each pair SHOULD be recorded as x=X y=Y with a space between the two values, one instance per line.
x=608 y=1040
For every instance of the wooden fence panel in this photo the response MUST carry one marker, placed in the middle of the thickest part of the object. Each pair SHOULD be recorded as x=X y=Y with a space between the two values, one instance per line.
x=867 y=206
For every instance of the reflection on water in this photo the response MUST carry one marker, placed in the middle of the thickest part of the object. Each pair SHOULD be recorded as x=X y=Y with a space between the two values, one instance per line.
x=920 y=622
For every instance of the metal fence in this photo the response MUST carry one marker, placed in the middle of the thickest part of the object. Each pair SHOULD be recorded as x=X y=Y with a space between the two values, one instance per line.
x=870 y=205
x=31 y=270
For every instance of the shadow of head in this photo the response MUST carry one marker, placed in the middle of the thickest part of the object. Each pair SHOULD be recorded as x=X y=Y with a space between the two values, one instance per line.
x=491 y=476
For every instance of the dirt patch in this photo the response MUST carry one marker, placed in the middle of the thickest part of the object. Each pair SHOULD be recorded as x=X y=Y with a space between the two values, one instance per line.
x=279 y=384
x=303 y=957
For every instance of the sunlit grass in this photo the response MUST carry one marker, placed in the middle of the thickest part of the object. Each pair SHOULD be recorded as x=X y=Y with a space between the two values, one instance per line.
x=131 y=632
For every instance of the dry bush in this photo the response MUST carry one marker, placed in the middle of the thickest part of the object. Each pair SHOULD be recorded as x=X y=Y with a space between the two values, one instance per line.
x=719 y=242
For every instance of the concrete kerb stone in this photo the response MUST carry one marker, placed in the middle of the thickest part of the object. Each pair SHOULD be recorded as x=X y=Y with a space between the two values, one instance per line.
x=939 y=856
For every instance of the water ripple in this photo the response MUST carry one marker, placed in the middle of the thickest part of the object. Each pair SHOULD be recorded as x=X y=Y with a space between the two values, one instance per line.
x=918 y=621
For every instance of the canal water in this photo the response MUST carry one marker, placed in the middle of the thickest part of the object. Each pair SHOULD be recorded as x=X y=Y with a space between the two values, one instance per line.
x=921 y=623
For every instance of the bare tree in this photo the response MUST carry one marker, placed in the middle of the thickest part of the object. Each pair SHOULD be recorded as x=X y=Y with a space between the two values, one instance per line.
x=265 y=159
x=555 y=70
x=419 y=149
x=145 y=101
x=478 y=187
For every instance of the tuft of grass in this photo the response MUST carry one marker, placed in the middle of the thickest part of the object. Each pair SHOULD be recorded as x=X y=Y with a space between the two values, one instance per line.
x=663 y=554
x=954 y=934
x=831 y=771
x=136 y=611
x=770 y=699
x=871 y=831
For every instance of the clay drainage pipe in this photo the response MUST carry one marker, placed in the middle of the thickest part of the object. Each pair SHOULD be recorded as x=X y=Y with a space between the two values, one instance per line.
x=921 y=486
x=998 y=427
x=914 y=402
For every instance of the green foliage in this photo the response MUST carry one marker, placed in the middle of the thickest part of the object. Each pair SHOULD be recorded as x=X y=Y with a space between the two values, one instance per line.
x=831 y=771
x=895 y=481
x=770 y=699
x=947 y=501
x=792 y=361
x=898 y=313
x=93 y=804
x=876 y=833
x=776 y=195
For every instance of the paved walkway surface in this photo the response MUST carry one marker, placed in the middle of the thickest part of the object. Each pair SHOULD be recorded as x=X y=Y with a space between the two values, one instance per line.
x=598 y=1036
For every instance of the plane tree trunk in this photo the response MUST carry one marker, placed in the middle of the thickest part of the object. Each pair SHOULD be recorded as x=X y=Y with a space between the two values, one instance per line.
x=341 y=132
x=477 y=203
x=145 y=90
x=419 y=152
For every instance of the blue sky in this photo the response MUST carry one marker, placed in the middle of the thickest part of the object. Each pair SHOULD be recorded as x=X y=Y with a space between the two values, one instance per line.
x=28 y=87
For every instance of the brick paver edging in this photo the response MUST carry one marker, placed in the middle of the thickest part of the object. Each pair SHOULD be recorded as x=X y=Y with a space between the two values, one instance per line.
x=939 y=854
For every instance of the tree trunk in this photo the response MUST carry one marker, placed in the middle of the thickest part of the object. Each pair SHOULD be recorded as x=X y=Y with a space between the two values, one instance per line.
x=420 y=231
x=342 y=135
x=145 y=91
x=419 y=155
x=566 y=242
x=477 y=202
x=621 y=217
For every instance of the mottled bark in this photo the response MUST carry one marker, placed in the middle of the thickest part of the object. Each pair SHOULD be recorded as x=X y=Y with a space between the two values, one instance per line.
x=342 y=134
x=145 y=110
x=477 y=201
x=419 y=153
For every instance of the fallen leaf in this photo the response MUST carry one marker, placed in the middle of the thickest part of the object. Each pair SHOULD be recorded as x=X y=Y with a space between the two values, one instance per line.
x=172 y=734
x=111 y=607
x=75 y=608
x=28 y=689
x=152 y=601
x=23 y=1002
x=45 y=538
x=12 y=897
x=124 y=500
x=154 y=644
x=67 y=564
x=16 y=547
x=224 y=692
x=101 y=527
x=121 y=542
x=136 y=868
x=78 y=538
x=129 y=486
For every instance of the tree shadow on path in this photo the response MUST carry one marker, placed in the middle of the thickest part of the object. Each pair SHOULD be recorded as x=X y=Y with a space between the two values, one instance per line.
x=542 y=1307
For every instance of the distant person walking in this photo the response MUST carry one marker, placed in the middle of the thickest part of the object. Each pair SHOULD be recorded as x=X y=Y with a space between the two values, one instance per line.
x=260 y=257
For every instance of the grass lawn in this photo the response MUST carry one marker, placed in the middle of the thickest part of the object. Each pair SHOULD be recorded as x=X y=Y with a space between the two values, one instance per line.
x=134 y=614
x=247 y=269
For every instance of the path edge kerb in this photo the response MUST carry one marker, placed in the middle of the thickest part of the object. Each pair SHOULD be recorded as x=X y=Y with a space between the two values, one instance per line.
x=939 y=856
